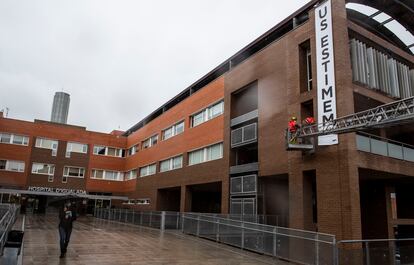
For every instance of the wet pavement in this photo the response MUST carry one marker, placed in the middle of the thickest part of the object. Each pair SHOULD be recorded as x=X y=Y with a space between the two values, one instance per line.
x=102 y=242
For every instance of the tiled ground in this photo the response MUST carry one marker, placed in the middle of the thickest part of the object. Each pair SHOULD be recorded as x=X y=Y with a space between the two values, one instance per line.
x=101 y=242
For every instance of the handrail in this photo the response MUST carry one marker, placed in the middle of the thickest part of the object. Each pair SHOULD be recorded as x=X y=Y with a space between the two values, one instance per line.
x=268 y=226
x=385 y=139
x=269 y=232
x=375 y=240
x=7 y=222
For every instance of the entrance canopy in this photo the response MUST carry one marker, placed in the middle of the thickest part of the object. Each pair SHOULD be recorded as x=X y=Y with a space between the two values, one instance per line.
x=64 y=194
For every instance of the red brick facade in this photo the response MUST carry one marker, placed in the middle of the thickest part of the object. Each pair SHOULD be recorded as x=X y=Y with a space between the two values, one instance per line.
x=338 y=171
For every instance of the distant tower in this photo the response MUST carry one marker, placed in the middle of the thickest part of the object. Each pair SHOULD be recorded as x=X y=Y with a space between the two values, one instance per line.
x=60 y=107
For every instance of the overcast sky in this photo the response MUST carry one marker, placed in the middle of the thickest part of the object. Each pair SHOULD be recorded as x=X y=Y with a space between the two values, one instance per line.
x=119 y=60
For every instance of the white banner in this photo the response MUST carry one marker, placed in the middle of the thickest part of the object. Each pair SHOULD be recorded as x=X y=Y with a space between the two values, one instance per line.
x=325 y=70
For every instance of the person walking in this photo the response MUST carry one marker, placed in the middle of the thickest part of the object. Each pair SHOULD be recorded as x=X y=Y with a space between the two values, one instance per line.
x=66 y=216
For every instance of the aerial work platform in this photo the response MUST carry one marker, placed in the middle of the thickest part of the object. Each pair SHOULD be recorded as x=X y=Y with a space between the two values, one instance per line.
x=392 y=114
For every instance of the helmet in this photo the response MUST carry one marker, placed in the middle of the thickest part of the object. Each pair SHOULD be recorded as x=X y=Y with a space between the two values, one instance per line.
x=293 y=118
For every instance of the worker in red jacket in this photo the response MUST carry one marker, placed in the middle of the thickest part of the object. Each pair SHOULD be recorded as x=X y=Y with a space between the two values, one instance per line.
x=293 y=126
x=309 y=120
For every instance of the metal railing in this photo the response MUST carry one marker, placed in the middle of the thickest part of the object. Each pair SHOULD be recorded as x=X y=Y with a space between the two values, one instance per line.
x=244 y=232
x=273 y=220
x=385 y=147
x=376 y=251
x=155 y=219
x=8 y=214
x=295 y=245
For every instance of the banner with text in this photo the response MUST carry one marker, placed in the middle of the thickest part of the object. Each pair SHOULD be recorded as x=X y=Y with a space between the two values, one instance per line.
x=325 y=70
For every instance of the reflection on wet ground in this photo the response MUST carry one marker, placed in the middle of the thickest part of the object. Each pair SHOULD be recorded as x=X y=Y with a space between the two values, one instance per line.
x=101 y=242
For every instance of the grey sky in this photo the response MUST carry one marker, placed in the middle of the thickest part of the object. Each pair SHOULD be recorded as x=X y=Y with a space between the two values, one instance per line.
x=119 y=60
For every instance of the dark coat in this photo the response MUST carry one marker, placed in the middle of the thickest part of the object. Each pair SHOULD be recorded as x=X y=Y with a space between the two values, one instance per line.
x=66 y=218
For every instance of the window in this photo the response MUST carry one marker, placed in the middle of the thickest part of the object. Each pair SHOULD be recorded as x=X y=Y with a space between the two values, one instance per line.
x=107 y=175
x=207 y=114
x=76 y=147
x=99 y=150
x=45 y=169
x=108 y=151
x=153 y=140
x=143 y=201
x=77 y=172
x=132 y=150
x=147 y=170
x=173 y=130
x=132 y=174
x=17 y=166
x=381 y=71
x=50 y=178
x=97 y=174
x=305 y=66
x=7 y=138
x=64 y=179
x=47 y=144
x=10 y=165
x=209 y=153
x=171 y=163
x=198 y=119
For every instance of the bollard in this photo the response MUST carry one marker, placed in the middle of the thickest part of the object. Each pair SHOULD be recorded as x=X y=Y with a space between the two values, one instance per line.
x=316 y=249
x=242 y=236
x=218 y=231
x=198 y=225
x=368 y=258
x=162 y=225
x=275 y=242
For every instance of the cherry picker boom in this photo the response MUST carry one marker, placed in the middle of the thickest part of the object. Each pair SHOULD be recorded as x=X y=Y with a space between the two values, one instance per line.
x=390 y=114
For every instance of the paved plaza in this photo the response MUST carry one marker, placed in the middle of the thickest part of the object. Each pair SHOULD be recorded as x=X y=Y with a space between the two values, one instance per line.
x=103 y=242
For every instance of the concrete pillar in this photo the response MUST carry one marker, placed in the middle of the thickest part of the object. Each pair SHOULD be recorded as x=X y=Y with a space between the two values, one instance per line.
x=185 y=201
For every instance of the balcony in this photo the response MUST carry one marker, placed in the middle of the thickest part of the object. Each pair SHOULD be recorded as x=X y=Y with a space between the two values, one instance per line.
x=385 y=147
x=244 y=135
x=250 y=167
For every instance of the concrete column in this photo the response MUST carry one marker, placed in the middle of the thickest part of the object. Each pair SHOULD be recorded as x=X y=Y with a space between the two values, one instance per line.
x=185 y=201
x=225 y=196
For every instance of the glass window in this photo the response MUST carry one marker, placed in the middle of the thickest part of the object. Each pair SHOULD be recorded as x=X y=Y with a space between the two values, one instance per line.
x=18 y=139
x=165 y=165
x=147 y=170
x=98 y=174
x=43 y=169
x=177 y=162
x=112 y=152
x=5 y=138
x=179 y=128
x=198 y=118
x=196 y=157
x=214 y=152
x=77 y=147
x=111 y=175
x=17 y=166
x=99 y=150
x=146 y=144
x=168 y=133
x=154 y=139
x=64 y=179
x=3 y=164
x=132 y=150
x=132 y=174
x=46 y=143
x=73 y=172
x=143 y=171
x=215 y=110
x=152 y=169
